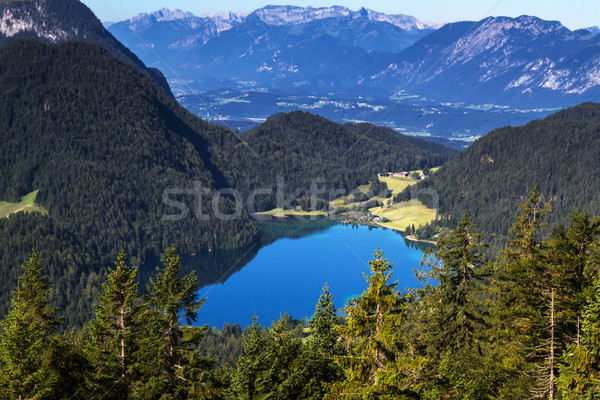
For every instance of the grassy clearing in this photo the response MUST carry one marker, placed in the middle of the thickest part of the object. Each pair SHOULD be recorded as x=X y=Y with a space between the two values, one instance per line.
x=338 y=202
x=26 y=204
x=341 y=201
x=400 y=215
x=397 y=184
x=278 y=212
x=404 y=214
x=364 y=188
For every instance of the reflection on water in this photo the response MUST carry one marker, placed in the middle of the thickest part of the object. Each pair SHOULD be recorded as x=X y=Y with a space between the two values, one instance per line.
x=293 y=229
x=287 y=270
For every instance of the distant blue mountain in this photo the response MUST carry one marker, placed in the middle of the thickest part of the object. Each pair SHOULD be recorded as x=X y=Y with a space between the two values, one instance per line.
x=594 y=30
x=523 y=61
x=276 y=43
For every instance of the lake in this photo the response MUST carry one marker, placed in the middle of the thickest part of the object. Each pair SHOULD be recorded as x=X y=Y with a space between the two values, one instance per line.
x=288 y=273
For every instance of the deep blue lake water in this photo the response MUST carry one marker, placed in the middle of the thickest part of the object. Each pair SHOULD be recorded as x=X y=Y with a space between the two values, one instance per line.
x=288 y=274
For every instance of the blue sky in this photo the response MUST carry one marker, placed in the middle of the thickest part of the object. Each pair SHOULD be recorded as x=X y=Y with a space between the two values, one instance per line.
x=573 y=14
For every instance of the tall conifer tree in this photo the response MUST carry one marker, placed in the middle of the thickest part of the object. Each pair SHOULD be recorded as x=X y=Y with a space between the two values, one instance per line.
x=25 y=341
x=524 y=287
x=321 y=349
x=173 y=368
x=450 y=316
x=247 y=376
x=374 y=339
x=116 y=331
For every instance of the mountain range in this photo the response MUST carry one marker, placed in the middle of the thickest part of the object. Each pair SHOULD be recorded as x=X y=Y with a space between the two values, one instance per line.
x=524 y=61
x=166 y=32
x=268 y=44
x=521 y=68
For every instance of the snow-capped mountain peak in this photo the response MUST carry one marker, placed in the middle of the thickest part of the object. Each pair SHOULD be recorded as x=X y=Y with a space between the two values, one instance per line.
x=292 y=15
x=231 y=16
x=400 y=20
x=501 y=34
x=594 y=30
x=164 y=14
x=20 y=18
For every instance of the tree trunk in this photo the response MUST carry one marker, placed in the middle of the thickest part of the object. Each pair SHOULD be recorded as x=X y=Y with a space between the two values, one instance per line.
x=122 y=323
x=551 y=360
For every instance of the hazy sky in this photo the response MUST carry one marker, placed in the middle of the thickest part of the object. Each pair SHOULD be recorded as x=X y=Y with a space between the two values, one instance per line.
x=572 y=13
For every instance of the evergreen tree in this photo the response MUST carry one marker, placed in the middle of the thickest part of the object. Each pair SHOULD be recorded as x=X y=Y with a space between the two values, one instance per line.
x=25 y=370
x=524 y=272
x=457 y=267
x=24 y=374
x=173 y=369
x=321 y=349
x=450 y=317
x=69 y=361
x=283 y=378
x=35 y=291
x=373 y=338
x=116 y=331
x=574 y=258
x=272 y=366
x=246 y=378
x=580 y=370
x=523 y=294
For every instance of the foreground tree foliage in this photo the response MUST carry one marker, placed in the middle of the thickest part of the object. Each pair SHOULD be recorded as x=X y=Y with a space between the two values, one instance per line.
x=580 y=372
x=116 y=331
x=373 y=339
x=278 y=364
x=526 y=325
x=451 y=318
x=173 y=369
x=26 y=372
x=321 y=349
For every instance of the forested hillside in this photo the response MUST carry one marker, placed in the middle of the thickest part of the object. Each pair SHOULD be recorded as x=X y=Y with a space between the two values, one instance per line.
x=558 y=155
x=302 y=148
x=57 y=21
x=102 y=142
x=75 y=271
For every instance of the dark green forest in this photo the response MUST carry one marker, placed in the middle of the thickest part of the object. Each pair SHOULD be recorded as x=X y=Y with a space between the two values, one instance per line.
x=524 y=325
x=318 y=157
x=558 y=155
x=103 y=143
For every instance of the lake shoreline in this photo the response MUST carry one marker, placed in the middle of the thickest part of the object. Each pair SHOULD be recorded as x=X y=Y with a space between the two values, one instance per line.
x=380 y=225
x=288 y=275
x=407 y=237
x=300 y=216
